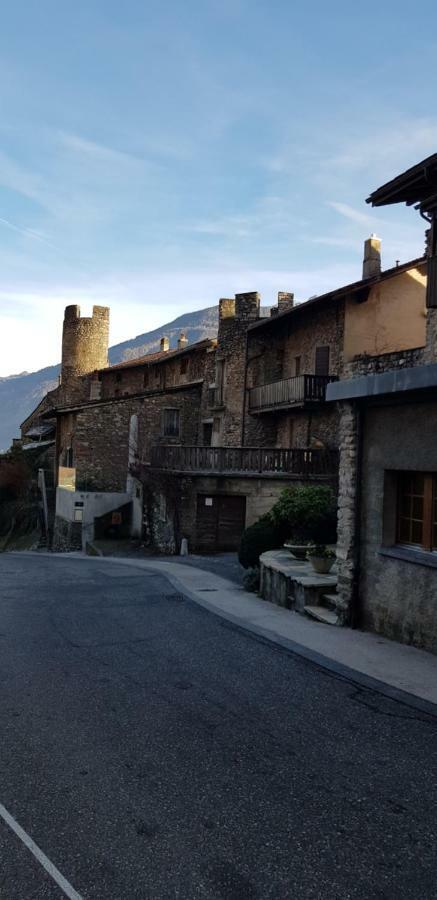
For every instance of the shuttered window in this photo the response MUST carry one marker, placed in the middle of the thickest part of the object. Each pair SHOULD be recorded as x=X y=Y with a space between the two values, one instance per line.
x=322 y=361
x=171 y=423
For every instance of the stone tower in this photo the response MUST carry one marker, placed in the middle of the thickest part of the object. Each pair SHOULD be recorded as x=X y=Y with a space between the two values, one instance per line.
x=85 y=342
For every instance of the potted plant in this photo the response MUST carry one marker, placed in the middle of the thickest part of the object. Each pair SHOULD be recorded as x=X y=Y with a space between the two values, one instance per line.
x=309 y=513
x=297 y=548
x=322 y=558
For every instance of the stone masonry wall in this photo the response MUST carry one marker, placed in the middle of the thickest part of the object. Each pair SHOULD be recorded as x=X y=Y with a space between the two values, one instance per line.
x=84 y=341
x=178 y=370
x=101 y=435
x=272 y=352
x=347 y=549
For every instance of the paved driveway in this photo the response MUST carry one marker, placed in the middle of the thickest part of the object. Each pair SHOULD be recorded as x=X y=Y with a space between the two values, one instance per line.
x=153 y=751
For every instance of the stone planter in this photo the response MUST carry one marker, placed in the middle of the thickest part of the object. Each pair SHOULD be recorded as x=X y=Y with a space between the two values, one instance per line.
x=321 y=564
x=299 y=551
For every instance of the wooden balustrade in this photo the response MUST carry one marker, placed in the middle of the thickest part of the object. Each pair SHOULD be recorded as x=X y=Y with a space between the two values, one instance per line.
x=246 y=460
x=289 y=391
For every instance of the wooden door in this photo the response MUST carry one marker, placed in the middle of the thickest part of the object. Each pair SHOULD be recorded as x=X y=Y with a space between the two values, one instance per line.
x=220 y=521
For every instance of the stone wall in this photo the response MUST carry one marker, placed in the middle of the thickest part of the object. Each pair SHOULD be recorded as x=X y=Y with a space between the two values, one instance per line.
x=348 y=487
x=398 y=597
x=67 y=536
x=235 y=316
x=85 y=341
x=272 y=352
x=373 y=365
x=180 y=369
x=101 y=434
x=180 y=492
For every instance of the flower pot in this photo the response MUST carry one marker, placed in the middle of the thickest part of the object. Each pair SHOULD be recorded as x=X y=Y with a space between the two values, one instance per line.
x=299 y=551
x=321 y=564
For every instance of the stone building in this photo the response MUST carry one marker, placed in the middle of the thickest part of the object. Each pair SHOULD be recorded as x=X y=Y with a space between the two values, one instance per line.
x=199 y=441
x=387 y=547
x=237 y=472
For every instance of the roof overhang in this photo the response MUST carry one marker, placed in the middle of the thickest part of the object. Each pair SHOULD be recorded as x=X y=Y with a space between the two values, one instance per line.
x=395 y=381
x=416 y=186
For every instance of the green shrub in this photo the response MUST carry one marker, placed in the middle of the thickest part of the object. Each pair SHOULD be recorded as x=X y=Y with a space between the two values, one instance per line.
x=251 y=579
x=258 y=538
x=307 y=512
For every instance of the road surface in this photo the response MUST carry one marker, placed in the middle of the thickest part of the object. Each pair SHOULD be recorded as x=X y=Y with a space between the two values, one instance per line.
x=153 y=751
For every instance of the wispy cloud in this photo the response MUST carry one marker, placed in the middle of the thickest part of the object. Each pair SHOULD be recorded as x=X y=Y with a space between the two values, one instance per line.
x=26 y=232
x=354 y=215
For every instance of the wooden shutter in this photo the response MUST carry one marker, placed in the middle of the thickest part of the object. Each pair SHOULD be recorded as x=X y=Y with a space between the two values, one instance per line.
x=322 y=361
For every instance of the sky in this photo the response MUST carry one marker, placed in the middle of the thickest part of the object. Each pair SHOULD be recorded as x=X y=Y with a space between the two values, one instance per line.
x=155 y=156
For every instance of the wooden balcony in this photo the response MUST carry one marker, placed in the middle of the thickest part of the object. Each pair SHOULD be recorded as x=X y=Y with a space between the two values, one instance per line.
x=289 y=392
x=250 y=461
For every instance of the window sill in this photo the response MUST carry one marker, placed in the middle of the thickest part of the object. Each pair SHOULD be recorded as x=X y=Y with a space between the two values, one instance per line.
x=408 y=554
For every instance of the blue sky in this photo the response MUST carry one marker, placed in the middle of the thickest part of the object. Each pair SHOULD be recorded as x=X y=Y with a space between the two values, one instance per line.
x=155 y=156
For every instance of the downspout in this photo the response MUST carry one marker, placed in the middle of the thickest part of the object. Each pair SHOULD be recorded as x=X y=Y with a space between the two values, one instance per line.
x=355 y=613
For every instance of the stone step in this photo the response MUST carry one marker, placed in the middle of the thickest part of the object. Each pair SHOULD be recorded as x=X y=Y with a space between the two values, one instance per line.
x=330 y=601
x=322 y=614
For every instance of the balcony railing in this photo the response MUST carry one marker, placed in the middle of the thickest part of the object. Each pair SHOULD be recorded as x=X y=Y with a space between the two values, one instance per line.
x=246 y=460
x=289 y=392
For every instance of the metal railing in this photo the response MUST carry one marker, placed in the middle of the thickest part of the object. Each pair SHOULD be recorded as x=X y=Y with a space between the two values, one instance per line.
x=246 y=460
x=290 y=391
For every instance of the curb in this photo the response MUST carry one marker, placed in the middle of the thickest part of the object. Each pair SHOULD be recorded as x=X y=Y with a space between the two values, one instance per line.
x=325 y=663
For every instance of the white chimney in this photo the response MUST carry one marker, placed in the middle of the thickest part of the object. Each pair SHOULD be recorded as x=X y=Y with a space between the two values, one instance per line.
x=165 y=344
x=182 y=341
x=372 y=257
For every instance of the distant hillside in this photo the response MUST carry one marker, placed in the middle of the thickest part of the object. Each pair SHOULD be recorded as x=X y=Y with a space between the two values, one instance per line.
x=19 y=394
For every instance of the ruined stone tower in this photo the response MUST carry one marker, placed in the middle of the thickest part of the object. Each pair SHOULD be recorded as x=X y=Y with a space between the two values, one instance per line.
x=85 y=342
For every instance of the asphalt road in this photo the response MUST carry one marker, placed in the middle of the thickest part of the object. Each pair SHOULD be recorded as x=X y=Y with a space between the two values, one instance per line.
x=151 y=750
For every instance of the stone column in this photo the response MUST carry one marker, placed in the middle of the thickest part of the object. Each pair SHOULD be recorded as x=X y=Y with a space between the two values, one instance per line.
x=347 y=547
x=430 y=352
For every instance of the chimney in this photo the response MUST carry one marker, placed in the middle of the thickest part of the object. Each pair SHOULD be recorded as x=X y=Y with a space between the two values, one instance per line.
x=247 y=305
x=165 y=344
x=372 y=257
x=285 y=301
x=226 y=308
x=182 y=341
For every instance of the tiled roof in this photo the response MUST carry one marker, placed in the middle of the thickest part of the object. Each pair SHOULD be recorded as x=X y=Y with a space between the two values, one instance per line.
x=151 y=358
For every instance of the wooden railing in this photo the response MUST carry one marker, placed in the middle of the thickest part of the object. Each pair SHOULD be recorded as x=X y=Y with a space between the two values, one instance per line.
x=250 y=460
x=289 y=391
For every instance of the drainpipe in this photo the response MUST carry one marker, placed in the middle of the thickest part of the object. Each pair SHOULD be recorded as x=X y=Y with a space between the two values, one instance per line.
x=355 y=616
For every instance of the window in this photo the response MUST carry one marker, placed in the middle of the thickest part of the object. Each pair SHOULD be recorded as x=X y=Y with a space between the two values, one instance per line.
x=416 y=520
x=207 y=433
x=146 y=378
x=322 y=361
x=118 y=376
x=184 y=366
x=171 y=423
x=219 y=381
x=162 y=507
x=297 y=362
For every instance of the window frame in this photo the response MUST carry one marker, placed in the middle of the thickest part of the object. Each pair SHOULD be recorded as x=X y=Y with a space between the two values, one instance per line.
x=326 y=358
x=429 y=512
x=166 y=431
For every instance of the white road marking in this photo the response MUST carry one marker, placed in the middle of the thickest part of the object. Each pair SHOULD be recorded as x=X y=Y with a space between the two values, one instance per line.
x=40 y=856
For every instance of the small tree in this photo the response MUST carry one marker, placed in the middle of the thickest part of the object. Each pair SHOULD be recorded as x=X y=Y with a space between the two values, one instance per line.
x=308 y=512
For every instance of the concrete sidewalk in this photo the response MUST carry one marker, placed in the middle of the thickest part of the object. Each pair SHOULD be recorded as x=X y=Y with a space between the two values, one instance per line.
x=369 y=659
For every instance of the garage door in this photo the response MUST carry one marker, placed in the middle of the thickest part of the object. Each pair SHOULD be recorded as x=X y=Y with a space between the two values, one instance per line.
x=220 y=521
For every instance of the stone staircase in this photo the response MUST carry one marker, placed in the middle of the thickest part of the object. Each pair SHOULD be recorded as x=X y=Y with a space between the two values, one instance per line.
x=326 y=612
